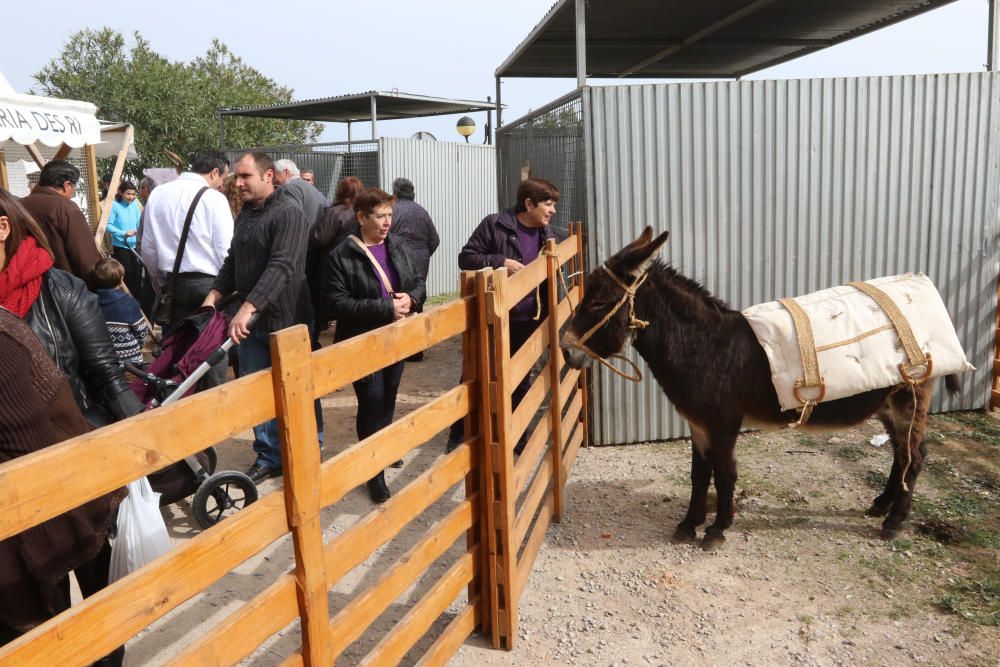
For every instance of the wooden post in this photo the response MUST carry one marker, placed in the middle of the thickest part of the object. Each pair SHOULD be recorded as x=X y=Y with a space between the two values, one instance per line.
x=555 y=366
x=35 y=154
x=63 y=152
x=579 y=266
x=4 y=178
x=116 y=175
x=93 y=200
x=291 y=358
x=994 y=401
x=500 y=492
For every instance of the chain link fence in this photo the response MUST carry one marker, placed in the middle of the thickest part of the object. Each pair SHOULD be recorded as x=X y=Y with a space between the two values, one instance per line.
x=329 y=162
x=550 y=142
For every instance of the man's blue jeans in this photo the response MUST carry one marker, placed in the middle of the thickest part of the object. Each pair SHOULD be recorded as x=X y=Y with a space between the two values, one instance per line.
x=255 y=355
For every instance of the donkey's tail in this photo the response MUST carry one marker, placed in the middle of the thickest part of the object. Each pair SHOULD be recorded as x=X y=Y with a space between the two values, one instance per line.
x=953 y=383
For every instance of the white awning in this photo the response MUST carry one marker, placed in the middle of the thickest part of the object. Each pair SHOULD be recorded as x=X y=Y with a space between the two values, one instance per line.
x=26 y=119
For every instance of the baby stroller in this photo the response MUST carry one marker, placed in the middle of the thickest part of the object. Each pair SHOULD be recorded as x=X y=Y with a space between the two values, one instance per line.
x=188 y=351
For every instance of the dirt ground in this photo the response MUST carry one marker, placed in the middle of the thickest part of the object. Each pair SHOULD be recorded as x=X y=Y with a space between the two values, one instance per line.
x=802 y=579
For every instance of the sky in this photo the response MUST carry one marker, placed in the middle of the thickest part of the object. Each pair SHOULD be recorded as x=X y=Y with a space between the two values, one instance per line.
x=440 y=48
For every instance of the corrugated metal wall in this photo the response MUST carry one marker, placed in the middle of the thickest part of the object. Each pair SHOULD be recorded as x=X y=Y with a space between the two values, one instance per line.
x=779 y=188
x=457 y=185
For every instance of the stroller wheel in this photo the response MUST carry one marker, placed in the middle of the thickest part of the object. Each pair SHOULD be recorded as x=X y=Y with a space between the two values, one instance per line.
x=221 y=495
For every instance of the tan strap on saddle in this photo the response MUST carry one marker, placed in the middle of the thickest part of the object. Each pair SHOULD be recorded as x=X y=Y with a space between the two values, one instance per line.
x=914 y=354
x=378 y=267
x=811 y=379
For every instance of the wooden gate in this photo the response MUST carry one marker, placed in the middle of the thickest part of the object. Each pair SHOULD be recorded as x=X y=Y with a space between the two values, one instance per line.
x=507 y=506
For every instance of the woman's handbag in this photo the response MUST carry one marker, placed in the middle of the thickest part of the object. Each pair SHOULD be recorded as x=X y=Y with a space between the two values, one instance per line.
x=142 y=534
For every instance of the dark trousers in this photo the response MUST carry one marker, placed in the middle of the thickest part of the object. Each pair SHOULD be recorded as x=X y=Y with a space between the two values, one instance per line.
x=190 y=290
x=133 y=269
x=377 y=399
x=520 y=332
x=92 y=576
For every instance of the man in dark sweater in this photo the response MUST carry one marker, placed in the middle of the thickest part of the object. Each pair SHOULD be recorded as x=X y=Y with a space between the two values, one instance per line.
x=265 y=263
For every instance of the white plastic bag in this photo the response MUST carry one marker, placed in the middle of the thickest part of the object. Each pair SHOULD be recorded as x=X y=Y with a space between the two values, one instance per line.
x=142 y=534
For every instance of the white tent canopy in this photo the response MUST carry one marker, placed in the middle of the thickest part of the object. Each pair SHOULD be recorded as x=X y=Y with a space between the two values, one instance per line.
x=26 y=119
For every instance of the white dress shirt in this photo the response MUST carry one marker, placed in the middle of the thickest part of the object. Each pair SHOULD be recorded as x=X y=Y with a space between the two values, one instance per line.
x=210 y=235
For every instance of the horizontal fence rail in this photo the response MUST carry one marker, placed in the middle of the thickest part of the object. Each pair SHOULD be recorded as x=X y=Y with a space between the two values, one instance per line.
x=508 y=502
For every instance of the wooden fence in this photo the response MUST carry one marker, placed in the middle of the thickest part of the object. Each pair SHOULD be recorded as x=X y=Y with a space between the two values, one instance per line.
x=508 y=502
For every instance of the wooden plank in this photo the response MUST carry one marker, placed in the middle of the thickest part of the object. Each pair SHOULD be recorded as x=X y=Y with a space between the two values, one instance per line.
x=996 y=366
x=363 y=460
x=421 y=616
x=116 y=176
x=503 y=550
x=105 y=620
x=239 y=634
x=567 y=305
x=293 y=391
x=528 y=459
x=93 y=193
x=4 y=176
x=555 y=366
x=527 y=559
x=63 y=152
x=351 y=621
x=449 y=641
x=576 y=439
x=339 y=365
x=530 y=404
x=528 y=354
x=567 y=249
x=995 y=398
x=573 y=412
x=580 y=265
x=523 y=283
x=536 y=493
x=567 y=387
x=44 y=484
x=35 y=154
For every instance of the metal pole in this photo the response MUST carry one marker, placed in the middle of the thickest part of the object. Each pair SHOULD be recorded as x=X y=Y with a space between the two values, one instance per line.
x=348 y=136
x=993 y=47
x=500 y=193
x=222 y=132
x=374 y=125
x=581 y=43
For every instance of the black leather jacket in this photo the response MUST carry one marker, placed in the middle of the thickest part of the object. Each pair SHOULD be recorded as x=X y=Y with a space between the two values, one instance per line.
x=68 y=321
x=353 y=294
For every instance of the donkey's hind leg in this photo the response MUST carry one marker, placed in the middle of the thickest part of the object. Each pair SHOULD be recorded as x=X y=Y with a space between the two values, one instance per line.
x=883 y=502
x=723 y=458
x=909 y=422
x=701 y=477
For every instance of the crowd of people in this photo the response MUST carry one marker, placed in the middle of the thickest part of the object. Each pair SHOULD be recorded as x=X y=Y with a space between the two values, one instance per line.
x=255 y=235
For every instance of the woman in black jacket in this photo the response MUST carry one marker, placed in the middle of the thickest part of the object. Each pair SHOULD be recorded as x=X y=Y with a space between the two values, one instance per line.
x=64 y=315
x=371 y=282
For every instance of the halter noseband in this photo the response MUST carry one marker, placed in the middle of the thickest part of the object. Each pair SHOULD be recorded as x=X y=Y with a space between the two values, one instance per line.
x=634 y=323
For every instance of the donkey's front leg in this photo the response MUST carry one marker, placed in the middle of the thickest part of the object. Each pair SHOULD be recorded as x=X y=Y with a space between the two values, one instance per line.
x=701 y=477
x=723 y=459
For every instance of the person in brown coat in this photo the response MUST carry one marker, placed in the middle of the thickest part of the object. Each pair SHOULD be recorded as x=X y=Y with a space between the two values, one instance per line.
x=37 y=409
x=51 y=205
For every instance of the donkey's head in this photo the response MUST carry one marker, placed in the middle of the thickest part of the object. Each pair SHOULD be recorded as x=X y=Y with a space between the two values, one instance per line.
x=605 y=322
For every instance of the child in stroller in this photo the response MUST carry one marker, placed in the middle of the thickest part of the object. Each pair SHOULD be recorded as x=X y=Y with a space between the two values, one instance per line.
x=188 y=350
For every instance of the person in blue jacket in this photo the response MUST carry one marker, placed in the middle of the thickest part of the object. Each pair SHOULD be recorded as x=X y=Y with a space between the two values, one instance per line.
x=123 y=227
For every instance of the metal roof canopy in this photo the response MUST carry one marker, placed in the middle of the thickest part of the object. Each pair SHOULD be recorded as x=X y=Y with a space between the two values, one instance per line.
x=373 y=106
x=706 y=39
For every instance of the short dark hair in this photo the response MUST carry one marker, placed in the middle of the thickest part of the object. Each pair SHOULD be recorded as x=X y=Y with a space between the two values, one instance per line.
x=369 y=199
x=347 y=189
x=57 y=172
x=537 y=190
x=261 y=159
x=124 y=187
x=205 y=161
x=403 y=188
x=108 y=273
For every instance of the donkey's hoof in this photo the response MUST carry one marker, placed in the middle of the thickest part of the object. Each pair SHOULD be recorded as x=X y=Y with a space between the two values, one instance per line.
x=712 y=541
x=877 y=510
x=888 y=534
x=684 y=534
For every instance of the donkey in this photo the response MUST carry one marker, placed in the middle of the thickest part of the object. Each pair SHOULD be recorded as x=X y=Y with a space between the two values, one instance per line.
x=711 y=367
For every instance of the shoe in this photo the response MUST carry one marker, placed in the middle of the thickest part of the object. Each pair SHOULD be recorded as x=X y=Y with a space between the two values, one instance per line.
x=259 y=473
x=397 y=464
x=377 y=488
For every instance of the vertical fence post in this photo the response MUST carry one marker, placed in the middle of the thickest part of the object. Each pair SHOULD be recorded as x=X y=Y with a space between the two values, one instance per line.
x=583 y=383
x=291 y=358
x=500 y=459
x=555 y=367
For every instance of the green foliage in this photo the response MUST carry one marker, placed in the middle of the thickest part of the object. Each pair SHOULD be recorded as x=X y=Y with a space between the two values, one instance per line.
x=975 y=598
x=171 y=104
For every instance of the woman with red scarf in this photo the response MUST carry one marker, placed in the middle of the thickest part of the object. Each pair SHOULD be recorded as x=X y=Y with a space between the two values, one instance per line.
x=65 y=316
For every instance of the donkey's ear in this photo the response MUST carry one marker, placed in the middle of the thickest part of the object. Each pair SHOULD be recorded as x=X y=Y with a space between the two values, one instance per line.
x=637 y=256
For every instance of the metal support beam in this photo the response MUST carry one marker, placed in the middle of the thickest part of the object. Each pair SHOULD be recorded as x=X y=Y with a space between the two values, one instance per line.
x=489 y=124
x=222 y=132
x=993 y=47
x=581 y=43
x=348 y=137
x=500 y=194
x=696 y=37
x=374 y=121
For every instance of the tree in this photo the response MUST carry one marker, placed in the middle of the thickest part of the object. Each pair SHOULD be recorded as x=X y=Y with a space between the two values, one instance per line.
x=171 y=104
